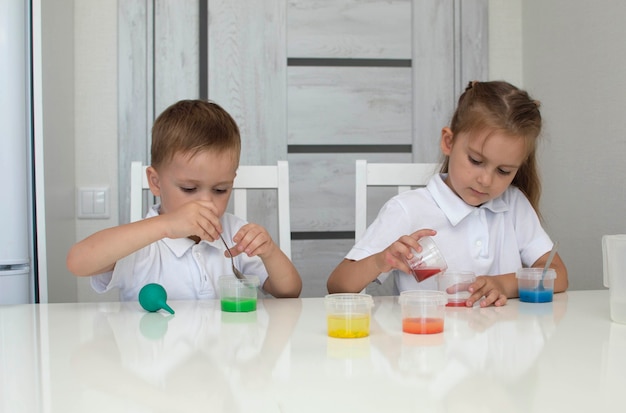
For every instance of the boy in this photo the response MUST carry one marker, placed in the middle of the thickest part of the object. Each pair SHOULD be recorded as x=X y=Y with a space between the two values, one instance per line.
x=195 y=155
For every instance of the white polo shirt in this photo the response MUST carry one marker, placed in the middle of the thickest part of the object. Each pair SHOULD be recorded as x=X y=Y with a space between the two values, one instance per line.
x=187 y=271
x=495 y=238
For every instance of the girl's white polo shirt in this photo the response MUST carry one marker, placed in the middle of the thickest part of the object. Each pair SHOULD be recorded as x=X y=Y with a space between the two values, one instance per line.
x=497 y=237
x=187 y=271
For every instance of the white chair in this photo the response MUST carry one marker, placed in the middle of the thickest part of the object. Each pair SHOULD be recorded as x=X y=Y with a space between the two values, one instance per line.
x=404 y=176
x=248 y=177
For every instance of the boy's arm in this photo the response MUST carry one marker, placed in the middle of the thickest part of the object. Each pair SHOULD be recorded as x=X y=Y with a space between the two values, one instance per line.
x=284 y=280
x=254 y=240
x=99 y=252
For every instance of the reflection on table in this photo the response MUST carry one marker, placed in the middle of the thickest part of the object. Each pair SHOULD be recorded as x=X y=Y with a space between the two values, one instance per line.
x=561 y=356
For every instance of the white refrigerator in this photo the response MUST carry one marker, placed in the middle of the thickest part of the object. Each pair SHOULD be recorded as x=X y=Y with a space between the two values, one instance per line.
x=18 y=264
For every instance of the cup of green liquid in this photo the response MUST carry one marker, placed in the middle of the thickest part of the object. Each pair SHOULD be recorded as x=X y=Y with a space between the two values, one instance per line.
x=238 y=296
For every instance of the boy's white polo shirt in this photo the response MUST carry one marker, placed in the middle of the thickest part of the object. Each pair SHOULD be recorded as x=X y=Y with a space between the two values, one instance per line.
x=497 y=237
x=187 y=271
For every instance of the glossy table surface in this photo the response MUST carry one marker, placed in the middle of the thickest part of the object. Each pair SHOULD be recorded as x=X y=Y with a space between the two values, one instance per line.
x=564 y=356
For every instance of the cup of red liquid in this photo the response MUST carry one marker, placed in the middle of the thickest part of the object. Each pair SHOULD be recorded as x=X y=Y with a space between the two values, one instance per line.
x=428 y=262
x=455 y=284
x=423 y=311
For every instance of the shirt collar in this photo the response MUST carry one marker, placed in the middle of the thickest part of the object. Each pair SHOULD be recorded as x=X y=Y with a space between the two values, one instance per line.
x=454 y=208
x=179 y=246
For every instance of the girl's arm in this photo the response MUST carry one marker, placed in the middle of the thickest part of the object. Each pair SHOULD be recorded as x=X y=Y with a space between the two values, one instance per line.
x=497 y=289
x=353 y=276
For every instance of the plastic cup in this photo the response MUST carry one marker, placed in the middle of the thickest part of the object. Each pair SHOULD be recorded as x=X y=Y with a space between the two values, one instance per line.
x=455 y=285
x=427 y=262
x=423 y=311
x=238 y=296
x=348 y=315
x=532 y=289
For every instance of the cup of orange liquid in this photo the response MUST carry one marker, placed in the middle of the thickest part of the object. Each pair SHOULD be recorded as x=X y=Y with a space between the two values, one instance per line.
x=423 y=311
x=348 y=315
x=428 y=262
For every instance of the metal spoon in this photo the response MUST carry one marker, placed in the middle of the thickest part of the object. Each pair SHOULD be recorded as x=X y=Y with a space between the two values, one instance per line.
x=238 y=273
x=550 y=258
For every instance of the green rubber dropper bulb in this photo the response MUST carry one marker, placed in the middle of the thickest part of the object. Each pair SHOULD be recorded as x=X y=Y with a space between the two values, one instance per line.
x=153 y=297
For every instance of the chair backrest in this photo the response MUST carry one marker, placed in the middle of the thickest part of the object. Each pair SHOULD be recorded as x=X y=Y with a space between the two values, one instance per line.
x=404 y=176
x=248 y=177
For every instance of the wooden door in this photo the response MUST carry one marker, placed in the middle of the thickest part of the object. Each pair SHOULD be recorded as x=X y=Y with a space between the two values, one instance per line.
x=318 y=83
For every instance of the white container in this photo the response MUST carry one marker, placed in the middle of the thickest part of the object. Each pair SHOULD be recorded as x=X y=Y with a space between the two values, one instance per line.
x=534 y=286
x=238 y=296
x=428 y=262
x=348 y=315
x=614 y=266
x=456 y=285
x=423 y=311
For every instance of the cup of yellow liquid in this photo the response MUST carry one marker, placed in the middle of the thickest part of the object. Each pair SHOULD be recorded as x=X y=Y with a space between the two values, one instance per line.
x=348 y=315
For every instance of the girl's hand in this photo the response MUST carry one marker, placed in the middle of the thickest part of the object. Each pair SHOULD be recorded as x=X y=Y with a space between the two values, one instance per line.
x=197 y=218
x=395 y=255
x=253 y=239
x=488 y=287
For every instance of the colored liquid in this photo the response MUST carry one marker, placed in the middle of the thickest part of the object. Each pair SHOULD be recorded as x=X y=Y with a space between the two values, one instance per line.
x=235 y=305
x=420 y=325
x=535 y=295
x=425 y=272
x=456 y=303
x=349 y=326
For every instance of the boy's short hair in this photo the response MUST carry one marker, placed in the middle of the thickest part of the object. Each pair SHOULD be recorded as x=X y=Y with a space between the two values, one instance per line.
x=191 y=126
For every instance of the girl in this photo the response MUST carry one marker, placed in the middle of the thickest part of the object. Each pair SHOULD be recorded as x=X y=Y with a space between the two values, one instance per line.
x=482 y=208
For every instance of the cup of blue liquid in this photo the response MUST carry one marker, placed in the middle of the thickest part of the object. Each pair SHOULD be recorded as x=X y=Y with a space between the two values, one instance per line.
x=534 y=286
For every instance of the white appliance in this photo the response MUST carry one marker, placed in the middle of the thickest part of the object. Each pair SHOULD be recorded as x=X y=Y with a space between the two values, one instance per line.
x=18 y=275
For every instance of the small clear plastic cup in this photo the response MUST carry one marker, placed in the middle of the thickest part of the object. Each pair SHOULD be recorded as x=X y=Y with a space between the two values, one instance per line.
x=423 y=311
x=238 y=296
x=348 y=315
x=532 y=288
x=428 y=262
x=455 y=285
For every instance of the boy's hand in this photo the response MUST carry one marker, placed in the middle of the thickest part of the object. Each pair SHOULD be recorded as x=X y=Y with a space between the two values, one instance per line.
x=253 y=239
x=197 y=218
x=395 y=255
x=490 y=288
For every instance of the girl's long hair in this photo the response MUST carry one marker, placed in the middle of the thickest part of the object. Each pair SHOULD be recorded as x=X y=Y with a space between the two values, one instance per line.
x=502 y=107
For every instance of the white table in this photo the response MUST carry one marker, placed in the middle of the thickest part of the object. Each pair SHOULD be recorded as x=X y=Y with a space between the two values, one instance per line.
x=565 y=356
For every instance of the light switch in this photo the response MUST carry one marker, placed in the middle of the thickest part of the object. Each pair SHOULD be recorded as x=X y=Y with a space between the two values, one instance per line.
x=93 y=203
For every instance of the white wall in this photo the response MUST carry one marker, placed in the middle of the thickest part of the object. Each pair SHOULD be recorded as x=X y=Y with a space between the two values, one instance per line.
x=57 y=57
x=505 y=41
x=574 y=60
x=95 y=50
